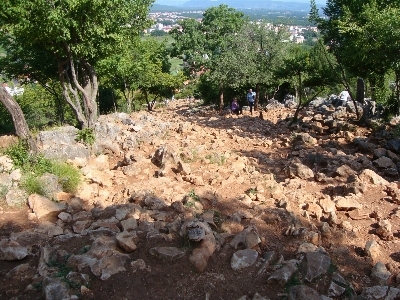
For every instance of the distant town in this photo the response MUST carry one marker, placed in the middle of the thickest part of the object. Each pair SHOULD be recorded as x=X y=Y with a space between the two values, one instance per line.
x=166 y=21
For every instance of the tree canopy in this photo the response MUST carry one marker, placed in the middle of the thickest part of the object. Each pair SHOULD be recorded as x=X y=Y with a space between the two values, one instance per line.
x=66 y=40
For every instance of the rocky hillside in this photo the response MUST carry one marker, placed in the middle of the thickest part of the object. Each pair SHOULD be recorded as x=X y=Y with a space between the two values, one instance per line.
x=183 y=203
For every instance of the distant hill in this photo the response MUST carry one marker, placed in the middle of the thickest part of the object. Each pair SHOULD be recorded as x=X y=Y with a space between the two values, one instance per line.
x=287 y=5
x=266 y=4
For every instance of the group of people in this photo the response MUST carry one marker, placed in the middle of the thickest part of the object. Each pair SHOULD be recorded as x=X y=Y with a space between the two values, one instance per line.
x=251 y=97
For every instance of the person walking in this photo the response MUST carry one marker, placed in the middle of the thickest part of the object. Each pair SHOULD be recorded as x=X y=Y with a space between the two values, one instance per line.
x=251 y=96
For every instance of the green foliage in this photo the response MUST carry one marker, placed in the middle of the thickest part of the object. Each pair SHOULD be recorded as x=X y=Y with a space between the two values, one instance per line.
x=62 y=268
x=33 y=185
x=194 y=157
x=158 y=33
x=395 y=131
x=355 y=32
x=60 y=42
x=252 y=191
x=34 y=166
x=143 y=65
x=68 y=176
x=41 y=107
x=216 y=158
x=86 y=136
x=193 y=195
x=19 y=154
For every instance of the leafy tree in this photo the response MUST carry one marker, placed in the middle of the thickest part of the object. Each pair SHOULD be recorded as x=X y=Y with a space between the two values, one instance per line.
x=204 y=45
x=65 y=40
x=364 y=37
x=265 y=52
x=310 y=71
x=158 y=33
x=189 y=43
x=144 y=65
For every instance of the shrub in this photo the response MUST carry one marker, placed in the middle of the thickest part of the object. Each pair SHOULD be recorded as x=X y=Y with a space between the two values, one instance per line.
x=86 y=136
x=18 y=153
x=34 y=166
x=33 y=185
x=68 y=176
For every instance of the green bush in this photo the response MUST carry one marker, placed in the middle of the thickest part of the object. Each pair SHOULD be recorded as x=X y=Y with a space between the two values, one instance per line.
x=86 y=136
x=18 y=153
x=68 y=176
x=33 y=185
x=34 y=166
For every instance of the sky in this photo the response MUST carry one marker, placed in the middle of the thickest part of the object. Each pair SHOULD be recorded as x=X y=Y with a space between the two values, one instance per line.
x=179 y=2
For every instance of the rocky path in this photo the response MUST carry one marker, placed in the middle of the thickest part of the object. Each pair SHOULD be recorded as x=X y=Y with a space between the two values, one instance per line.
x=183 y=203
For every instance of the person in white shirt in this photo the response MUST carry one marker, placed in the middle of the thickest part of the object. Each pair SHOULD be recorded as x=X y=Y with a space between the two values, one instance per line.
x=344 y=97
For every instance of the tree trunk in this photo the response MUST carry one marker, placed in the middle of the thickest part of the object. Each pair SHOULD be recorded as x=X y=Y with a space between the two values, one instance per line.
x=20 y=125
x=397 y=89
x=257 y=97
x=221 y=97
x=80 y=82
x=360 y=90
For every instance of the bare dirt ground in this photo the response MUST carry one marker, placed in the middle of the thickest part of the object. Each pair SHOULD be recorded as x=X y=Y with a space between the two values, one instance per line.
x=266 y=144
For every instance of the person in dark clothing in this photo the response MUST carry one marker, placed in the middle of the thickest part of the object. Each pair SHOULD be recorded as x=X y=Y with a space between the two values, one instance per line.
x=235 y=107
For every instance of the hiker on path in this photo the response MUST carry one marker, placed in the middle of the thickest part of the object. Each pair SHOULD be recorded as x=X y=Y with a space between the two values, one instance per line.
x=251 y=96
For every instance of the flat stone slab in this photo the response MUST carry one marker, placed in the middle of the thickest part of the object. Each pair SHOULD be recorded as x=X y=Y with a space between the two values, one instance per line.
x=243 y=258
x=171 y=253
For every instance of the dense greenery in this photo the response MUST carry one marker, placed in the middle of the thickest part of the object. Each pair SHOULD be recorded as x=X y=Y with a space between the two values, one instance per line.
x=364 y=38
x=64 y=41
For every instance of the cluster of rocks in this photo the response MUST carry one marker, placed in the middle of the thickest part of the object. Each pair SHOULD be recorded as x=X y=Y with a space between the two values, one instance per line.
x=178 y=163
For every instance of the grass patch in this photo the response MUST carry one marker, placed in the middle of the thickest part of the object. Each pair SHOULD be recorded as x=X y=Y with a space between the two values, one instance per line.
x=216 y=158
x=33 y=185
x=189 y=159
x=34 y=166
x=251 y=191
x=193 y=198
x=62 y=268
x=193 y=195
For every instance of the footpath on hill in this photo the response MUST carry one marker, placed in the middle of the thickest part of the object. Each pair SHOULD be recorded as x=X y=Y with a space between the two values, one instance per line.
x=185 y=203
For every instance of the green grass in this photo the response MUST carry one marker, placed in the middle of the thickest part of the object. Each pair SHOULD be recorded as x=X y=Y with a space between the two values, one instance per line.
x=251 y=191
x=216 y=158
x=86 y=136
x=194 y=157
x=33 y=185
x=34 y=166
